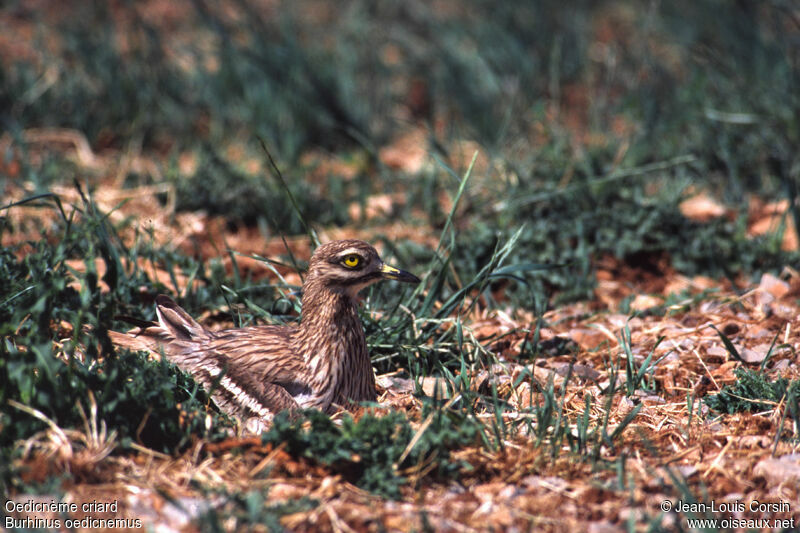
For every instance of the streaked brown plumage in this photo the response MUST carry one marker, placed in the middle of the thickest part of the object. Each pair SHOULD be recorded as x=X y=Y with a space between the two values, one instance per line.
x=259 y=370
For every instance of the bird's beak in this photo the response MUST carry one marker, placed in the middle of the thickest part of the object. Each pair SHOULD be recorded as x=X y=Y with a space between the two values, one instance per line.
x=390 y=272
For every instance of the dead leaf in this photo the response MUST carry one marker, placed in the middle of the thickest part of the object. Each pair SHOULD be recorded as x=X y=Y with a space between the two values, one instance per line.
x=430 y=386
x=780 y=470
x=588 y=339
x=378 y=205
x=642 y=302
x=605 y=527
x=579 y=371
x=717 y=351
x=773 y=285
x=769 y=219
x=407 y=153
x=749 y=355
x=702 y=208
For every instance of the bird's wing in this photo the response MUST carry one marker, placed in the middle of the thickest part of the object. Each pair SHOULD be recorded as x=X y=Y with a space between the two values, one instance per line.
x=239 y=392
x=262 y=351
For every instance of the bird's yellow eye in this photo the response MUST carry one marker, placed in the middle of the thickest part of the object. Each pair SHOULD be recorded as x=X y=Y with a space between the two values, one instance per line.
x=351 y=261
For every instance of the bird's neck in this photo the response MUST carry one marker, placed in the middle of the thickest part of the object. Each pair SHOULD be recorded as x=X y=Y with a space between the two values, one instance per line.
x=326 y=313
x=330 y=332
x=334 y=347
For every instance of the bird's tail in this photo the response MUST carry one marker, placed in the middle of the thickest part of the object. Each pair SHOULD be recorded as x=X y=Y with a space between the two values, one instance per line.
x=176 y=322
x=174 y=327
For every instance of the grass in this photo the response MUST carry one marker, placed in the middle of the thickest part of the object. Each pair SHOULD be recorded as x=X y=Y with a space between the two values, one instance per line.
x=756 y=391
x=255 y=200
x=638 y=377
x=250 y=510
x=56 y=350
x=378 y=453
x=593 y=122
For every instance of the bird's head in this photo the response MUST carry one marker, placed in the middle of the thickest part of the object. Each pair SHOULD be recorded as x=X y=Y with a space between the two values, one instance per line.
x=348 y=266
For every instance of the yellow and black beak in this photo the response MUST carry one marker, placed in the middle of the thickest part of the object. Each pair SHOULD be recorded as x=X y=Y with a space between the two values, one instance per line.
x=390 y=272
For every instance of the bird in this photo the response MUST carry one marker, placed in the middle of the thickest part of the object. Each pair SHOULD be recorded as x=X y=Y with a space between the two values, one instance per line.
x=255 y=372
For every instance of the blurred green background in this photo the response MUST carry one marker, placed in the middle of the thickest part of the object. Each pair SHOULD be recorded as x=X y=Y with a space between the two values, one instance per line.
x=596 y=118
